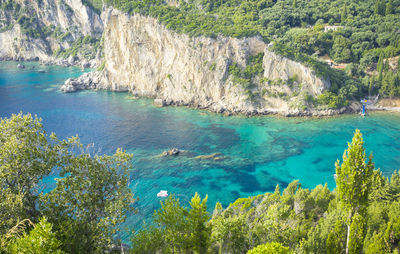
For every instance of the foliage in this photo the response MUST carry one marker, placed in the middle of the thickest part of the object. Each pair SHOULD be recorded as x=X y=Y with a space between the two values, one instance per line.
x=245 y=75
x=297 y=220
x=176 y=229
x=269 y=248
x=88 y=204
x=86 y=47
x=353 y=184
x=92 y=199
x=40 y=239
x=354 y=176
x=300 y=25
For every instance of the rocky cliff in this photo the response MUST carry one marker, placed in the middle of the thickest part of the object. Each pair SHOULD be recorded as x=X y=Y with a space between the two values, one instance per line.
x=147 y=59
x=47 y=30
x=142 y=56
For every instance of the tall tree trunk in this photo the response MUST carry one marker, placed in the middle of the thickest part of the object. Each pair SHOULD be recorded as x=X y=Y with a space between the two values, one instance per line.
x=348 y=232
x=347 y=239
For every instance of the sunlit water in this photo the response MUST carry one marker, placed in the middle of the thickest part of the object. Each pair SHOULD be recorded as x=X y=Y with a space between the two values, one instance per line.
x=256 y=153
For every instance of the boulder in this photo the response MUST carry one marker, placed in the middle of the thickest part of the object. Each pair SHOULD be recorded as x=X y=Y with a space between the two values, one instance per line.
x=159 y=102
x=21 y=66
x=171 y=152
x=71 y=60
x=85 y=64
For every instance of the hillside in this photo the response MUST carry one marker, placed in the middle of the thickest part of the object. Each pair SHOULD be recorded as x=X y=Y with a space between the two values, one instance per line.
x=362 y=34
x=352 y=46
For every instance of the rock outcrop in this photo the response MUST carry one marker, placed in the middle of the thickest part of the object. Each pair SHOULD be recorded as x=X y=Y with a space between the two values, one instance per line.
x=144 y=57
x=35 y=30
x=90 y=80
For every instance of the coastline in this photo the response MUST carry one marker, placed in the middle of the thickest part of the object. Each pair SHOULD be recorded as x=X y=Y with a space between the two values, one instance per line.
x=96 y=81
x=71 y=61
x=93 y=81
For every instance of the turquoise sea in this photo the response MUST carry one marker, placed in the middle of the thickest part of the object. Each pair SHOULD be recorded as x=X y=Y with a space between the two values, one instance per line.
x=255 y=154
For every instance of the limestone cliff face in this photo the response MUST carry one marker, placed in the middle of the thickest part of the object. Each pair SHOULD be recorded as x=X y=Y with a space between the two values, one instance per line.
x=147 y=59
x=36 y=29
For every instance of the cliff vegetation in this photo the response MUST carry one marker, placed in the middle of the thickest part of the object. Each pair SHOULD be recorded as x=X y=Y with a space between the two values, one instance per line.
x=360 y=39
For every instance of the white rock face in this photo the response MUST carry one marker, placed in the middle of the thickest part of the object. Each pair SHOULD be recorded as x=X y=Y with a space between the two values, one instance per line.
x=279 y=67
x=147 y=59
x=65 y=15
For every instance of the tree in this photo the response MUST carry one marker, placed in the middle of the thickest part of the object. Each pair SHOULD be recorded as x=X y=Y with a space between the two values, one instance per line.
x=270 y=248
x=177 y=229
x=389 y=8
x=343 y=15
x=379 y=7
x=91 y=199
x=41 y=239
x=171 y=218
x=198 y=218
x=27 y=154
x=148 y=241
x=380 y=66
x=294 y=4
x=353 y=180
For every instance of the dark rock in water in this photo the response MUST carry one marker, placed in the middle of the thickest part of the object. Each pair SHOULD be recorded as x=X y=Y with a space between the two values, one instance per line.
x=41 y=71
x=21 y=66
x=171 y=152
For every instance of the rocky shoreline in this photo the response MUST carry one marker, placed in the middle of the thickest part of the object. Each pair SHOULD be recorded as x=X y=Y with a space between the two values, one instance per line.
x=96 y=81
x=71 y=61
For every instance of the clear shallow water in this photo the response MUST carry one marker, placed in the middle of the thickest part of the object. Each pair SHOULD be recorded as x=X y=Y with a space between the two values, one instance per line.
x=257 y=153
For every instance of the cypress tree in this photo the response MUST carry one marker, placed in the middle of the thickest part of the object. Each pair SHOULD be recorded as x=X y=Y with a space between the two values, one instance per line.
x=353 y=183
x=379 y=7
x=343 y=15
x=379 y=66
x=376 y=8
x=389 y=8
x=386 y=66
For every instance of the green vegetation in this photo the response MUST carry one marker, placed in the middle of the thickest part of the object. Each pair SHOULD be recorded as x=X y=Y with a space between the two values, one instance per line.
x=87 y=206
x=269 y=248
x=364 y=35
x=245 y=75
x=86 y=46
x=361 y=32
x=361 y=216
x=91 y=200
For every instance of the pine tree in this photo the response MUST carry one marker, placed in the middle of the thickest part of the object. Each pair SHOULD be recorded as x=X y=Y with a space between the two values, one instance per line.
x=353 y=183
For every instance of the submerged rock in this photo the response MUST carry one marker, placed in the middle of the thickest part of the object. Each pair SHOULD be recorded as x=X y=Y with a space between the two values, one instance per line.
x=214 y=156
x=21 y=66
x=172 y=152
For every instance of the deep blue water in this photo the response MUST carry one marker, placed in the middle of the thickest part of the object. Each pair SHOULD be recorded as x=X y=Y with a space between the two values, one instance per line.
x=257 y=153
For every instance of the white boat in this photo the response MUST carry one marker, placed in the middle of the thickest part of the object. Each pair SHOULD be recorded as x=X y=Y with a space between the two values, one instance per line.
x=162 y=193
